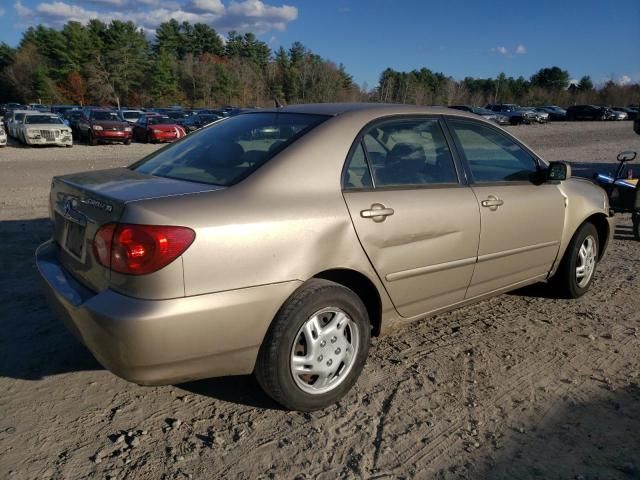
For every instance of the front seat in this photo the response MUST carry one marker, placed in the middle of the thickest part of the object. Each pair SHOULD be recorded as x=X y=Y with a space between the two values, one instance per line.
x=405 y=165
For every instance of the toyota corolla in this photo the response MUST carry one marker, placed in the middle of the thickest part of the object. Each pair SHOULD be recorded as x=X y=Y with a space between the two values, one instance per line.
x=277 y=242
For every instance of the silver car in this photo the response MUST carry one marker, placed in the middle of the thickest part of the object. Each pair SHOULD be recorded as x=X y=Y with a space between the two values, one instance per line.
x=277 y=242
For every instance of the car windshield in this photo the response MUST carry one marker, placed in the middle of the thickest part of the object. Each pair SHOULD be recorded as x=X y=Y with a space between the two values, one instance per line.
x=158 y=120
x=230 y=150
x=42 y=119
x=177 y=114
x=130 y=115
x=110 y=116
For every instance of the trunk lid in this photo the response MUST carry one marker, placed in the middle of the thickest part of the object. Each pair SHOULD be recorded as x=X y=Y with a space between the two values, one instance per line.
x=81 y=203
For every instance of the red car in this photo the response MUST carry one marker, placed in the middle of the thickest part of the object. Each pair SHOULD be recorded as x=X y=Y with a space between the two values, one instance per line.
x=157 y=128
x=101 y=125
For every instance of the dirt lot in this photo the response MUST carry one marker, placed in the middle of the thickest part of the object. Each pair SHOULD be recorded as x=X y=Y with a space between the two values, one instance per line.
x=521 y=386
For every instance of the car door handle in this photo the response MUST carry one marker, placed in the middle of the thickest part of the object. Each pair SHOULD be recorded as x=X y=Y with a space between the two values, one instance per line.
x=377 y=212
x=492 y=202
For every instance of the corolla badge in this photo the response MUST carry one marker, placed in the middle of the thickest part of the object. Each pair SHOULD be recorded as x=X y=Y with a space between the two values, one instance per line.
x=92 y=202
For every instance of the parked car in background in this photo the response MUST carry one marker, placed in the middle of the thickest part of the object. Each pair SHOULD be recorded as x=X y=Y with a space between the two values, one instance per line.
x=44 y=129
x=555 y=113
x=514 y=112
x=196 y=122
x=178 y=117
x=588 y=112
x=61 y=109
x=540 y=116
x=157 y=129
x=39 y=107
x=618 y=114
x=632 y=113
x=636 y=125
x=101 y=125
x=131 y=116
x=3 y=137
x=484 y=113
x=72 y=118
x=233 y=252
x=13 y=119
x=7 y=107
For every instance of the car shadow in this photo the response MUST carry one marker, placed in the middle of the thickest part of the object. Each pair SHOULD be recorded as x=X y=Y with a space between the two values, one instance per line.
x=34 y=344
x=241 y=389
x=580 y=438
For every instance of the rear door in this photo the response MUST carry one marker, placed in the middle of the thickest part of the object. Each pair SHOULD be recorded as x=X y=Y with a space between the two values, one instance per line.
x=417 y=221
x=522 y=218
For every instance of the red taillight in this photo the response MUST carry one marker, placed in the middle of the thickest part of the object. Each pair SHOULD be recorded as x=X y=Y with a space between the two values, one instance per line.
x=140 y=249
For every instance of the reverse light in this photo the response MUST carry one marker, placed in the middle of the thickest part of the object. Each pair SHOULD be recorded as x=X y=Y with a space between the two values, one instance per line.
x=140 y=249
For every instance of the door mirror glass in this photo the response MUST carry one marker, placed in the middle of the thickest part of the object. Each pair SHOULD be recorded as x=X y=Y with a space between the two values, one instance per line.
x=626 y=156
x=558 y=171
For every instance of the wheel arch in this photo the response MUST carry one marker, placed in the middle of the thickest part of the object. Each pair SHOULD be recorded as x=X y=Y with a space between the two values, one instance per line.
x=362 y=286
x=599 y=220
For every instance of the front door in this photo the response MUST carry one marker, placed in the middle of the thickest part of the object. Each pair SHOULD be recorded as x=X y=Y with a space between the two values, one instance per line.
x=418 y=224
x=522 y=218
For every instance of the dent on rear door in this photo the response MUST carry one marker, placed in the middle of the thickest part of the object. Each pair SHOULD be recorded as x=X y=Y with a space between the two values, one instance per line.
x=426 y=251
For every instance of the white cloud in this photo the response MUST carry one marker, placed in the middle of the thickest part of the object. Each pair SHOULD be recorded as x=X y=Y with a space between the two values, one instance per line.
x=501 y=50
x=60 y=12
x=21 y=10
x=206 y=6
x=624 y=80
x=243 y=16
x=110 y=3
x=521 y=49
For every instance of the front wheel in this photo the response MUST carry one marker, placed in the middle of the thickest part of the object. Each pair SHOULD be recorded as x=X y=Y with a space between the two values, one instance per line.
x=636 y=225
x=575 y=274
x=93 y=141
x=315 y=348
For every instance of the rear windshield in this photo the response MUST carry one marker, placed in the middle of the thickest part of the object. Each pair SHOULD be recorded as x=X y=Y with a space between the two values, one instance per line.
x=130 y=114
x=227 y=152
x=158 y=120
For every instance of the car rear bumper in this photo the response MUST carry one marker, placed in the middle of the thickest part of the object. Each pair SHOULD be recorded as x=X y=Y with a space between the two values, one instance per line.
x=155 y=342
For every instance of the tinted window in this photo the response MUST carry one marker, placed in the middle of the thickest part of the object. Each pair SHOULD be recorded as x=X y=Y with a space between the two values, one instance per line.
x=41 y=119
x=409 y=152
x=492 y=156
x=226 y=152
x=357 y=174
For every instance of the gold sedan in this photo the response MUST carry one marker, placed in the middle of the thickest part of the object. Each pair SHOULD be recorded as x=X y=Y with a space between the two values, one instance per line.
x=277 y=242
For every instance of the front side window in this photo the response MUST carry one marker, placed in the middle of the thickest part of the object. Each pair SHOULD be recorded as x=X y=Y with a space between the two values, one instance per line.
x=492 y=156
x=230 y=150
x=409 y=153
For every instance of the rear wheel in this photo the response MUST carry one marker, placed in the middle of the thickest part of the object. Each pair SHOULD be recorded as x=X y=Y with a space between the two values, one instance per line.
x=578 y=266
x=315 y=348
x=636 y=225
x=127 y=141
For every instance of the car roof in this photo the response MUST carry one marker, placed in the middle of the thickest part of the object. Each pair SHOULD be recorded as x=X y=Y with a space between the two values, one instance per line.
x=374 y=109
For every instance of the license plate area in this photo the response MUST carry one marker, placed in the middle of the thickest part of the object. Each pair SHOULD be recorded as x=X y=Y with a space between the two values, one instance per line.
x=74 y=239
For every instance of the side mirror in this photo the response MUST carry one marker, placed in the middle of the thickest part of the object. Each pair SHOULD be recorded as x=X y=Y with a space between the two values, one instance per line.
x=626 y=156
x=558 y=171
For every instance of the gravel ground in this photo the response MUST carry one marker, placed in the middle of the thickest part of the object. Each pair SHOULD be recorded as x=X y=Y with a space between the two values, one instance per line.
x=520 y=386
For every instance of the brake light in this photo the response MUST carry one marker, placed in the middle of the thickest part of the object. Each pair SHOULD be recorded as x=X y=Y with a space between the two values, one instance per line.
x=140 y=249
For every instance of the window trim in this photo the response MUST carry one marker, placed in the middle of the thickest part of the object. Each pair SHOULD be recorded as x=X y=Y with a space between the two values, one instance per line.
x=359 y=139
x=541 y=165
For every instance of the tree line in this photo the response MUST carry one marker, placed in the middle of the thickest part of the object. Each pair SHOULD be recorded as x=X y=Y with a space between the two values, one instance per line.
x=190 y=64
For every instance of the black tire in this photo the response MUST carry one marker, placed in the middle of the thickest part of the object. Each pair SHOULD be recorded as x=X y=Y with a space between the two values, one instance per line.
x=636 y=225
x=127 y=141
x=565 y=280
x=93 y=141
x=273 y=370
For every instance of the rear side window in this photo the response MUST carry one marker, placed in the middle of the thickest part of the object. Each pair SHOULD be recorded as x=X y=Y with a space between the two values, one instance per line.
x=409 y=153
x=228 y=151
x=492 y=156
x=357 y=174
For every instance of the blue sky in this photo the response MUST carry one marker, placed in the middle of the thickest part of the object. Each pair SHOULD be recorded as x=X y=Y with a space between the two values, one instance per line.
x=461 y=38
